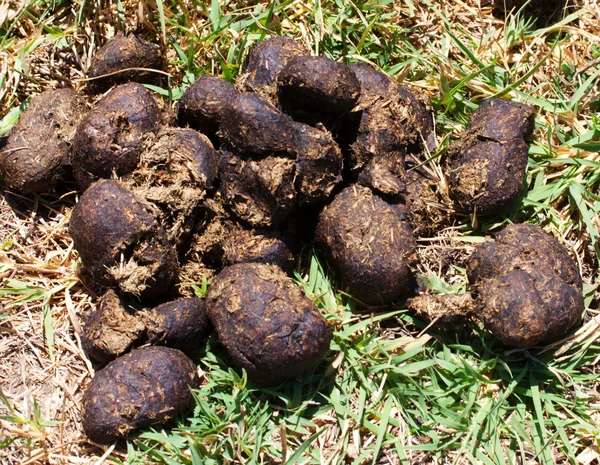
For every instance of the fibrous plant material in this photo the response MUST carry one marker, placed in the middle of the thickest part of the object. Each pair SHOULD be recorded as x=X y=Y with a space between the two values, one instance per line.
x=111 y=138
x=175 y=174
x=529 y=288
x=317 y=86
x=270 y=328
x=148 y=386
x=37 y=155
x=487 y=166
x=369 y=244
x=220 y=240
x=427 y=203
x=264 y=62
x=125 y=58
x=201 y=105
x=120 y=242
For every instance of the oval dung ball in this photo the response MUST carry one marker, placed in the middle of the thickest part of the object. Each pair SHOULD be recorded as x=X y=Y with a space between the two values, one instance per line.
x=149 y=386
x=251 y=124
x=529 y=287
x=113 y=329
x=502 y=120
x=488 y=176
x=122 y=59
x=487 y=166
x=201 y=105
x=111 y=138
x=180 y=324
x=317 y=85
x=120 y=243
x=369 y=243
x=270 y=328
x=37 y=155
x=267 y=58
x=175 y=174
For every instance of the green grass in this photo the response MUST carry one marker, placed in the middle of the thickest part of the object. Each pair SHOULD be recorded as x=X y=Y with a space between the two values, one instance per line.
x=385 y=389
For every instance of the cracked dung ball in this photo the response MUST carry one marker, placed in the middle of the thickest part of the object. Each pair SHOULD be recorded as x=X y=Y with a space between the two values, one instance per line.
x=369 y=244
x=201 y=105
x=37 y=155
x=317 y=85
x=390 y=122
x=264 y=62
x=221 y=241
x=529 y=288
x=113 y=329
x=111 y=138
x=376 y=86
x=149 y=386
x=270 y=328
x=487 y=166
x=258 y=191
x=120 y=242
x=121 y=60
x=175 y=174
x=273 y=162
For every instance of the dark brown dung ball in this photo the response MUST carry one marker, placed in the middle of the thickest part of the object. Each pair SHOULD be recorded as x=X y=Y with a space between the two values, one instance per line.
x=120 y=242
x=201 y=105
x=317 y=85
x=502 y=120
x=148 y=386
x=487 y=166
x=175 y=174
x=266 y=60
x=529 y=287
x=260 y=192
x=180 y=324
x=376 y=85
x=37 y=155
x=113 y=329
x=319 y=163
x=121 y=59
x=251 y=124
x=389 y=127
x=369 y=243
x=270 y=328
x=111 y=138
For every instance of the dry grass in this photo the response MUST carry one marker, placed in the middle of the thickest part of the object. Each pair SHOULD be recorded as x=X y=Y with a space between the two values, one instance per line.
x=43 y=370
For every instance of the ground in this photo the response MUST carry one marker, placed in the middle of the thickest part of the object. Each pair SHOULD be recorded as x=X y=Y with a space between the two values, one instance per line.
x=389 y=391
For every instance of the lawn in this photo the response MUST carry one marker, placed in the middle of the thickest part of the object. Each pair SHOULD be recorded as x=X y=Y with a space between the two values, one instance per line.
x=390 y=390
